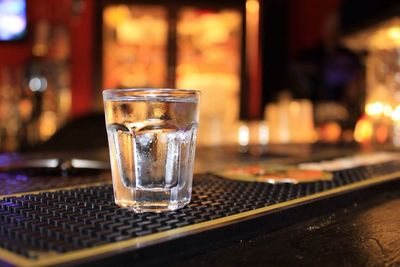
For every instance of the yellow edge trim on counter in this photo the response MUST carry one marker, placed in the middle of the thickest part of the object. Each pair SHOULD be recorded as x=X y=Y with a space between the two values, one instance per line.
x=174 y=233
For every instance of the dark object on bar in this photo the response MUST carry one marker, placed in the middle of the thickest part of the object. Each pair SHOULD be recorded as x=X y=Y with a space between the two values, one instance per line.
x=55 y=166
x=84 y=133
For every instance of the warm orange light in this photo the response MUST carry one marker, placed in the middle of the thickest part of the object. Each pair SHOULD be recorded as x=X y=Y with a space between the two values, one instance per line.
x=252 y=6
x=25 y=108
x=363 y=130
x=40 y=50
x=385 y=38
x=381 y=134
x=294 y=107
x=330 y=132
x=253 y=55
x=114 y=15
x=394 y=33
x=48 y=125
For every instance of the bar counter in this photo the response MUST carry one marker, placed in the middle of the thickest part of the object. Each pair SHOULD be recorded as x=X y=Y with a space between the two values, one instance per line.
x=353 y=223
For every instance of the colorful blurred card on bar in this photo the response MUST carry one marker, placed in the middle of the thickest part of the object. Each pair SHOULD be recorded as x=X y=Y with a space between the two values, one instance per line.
x=275 y=174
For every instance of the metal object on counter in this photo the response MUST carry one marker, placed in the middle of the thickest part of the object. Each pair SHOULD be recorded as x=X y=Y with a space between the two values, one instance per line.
x=51 y=166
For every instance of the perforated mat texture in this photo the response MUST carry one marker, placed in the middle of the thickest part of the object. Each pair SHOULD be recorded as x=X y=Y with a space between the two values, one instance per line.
x=74 y=219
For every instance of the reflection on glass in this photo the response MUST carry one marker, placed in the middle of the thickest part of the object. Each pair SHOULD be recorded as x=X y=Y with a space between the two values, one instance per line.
x=208 y=59
x=134 y=46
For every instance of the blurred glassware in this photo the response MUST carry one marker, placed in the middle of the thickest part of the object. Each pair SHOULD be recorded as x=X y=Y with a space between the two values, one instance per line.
x=382 y=42
x=290 y=121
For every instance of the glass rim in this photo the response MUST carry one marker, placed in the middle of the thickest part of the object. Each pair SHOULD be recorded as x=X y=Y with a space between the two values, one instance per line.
x=148 y=93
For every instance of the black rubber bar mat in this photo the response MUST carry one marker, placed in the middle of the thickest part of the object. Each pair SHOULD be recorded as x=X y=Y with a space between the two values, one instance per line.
x=76 y=224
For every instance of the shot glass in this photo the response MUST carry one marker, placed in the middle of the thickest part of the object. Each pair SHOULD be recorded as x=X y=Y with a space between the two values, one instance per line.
x=152 y=141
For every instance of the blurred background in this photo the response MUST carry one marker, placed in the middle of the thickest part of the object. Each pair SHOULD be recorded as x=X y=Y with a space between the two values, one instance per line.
x=270 y=72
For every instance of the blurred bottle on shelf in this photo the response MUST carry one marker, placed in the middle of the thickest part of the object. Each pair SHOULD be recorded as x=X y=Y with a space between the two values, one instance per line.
x=9 y=112
x=35 y=99
x=290 y=120
x=47 y=78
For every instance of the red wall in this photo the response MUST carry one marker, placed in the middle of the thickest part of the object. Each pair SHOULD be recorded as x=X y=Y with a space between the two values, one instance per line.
x=82 y=46
x=306 y=20
x=16 y=55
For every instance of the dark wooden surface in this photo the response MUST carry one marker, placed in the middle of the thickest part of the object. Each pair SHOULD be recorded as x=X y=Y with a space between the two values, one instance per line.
x=365 y=233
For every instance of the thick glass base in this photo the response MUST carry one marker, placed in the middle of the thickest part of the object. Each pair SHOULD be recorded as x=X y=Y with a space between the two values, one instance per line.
x=154 y=200
x=156 y=207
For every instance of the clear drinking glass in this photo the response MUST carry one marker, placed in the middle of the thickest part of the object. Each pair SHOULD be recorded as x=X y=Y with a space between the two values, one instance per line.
x=152 y=137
